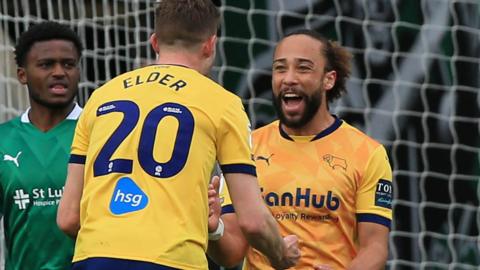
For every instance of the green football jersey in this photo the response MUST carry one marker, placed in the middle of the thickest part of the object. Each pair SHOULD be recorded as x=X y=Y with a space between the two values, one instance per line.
x=33 y=170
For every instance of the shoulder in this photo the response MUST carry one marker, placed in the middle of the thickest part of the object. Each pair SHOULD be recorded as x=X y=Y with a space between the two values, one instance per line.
x=267 y=129
x=123 y=81
x=218 y=94
x=225 y=104
x=10 y=125
x=10 y=131
x=206 y=88
x=367 y=151
x=357 y=136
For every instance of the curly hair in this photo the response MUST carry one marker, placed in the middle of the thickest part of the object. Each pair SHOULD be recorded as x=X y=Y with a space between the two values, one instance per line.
x=44 y=31
x=338 y=59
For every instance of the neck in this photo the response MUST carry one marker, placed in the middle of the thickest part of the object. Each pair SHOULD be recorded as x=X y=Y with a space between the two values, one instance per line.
x=45 y=118
x=189 y=60
x=321 y=121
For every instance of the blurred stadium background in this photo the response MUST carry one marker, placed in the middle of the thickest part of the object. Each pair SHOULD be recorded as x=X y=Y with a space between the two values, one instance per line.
x=414 y=88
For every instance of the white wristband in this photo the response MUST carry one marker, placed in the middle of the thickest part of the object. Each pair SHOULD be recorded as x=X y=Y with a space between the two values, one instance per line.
x=218 y=233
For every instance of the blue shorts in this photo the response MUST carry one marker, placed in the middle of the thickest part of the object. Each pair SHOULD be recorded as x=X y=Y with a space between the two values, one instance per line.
x=117 y=264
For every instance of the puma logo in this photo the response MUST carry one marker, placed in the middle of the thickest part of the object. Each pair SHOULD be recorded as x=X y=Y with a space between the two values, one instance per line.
x=266 y=159
x=7 y=157
x=334 y=161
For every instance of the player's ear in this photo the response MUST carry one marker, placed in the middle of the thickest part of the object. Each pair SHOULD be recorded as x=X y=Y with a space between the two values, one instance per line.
x=208 y=48
x=21 y=75
x=154 y=43
x=329 y=79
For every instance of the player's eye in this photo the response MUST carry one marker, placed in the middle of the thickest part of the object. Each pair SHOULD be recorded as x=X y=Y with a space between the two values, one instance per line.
x=69 y=64
x=304 y=68
x=45 y=65
x=279 y=68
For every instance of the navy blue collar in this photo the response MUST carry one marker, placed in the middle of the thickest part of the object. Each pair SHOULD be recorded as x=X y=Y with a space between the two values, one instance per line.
x=334 y=126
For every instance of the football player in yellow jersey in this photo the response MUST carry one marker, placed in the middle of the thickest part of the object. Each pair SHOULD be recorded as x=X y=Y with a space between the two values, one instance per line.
x=322 y=179
x=144 y=147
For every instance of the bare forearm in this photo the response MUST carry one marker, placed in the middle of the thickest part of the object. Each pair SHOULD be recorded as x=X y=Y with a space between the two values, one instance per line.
x=257 y=223
x=227 y=255
x=373 y=247
x=231 y=248
x=267 y=240
x=68 y=214
x=71 y=231
x=372 y=257
x=68 y=220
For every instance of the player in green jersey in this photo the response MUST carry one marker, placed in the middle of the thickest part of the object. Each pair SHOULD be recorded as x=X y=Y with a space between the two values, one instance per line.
x=34 y=149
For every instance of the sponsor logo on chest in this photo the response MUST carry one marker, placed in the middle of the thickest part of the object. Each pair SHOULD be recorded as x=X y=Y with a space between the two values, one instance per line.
x=127 y=197
x=38 y=197
x=302 y=197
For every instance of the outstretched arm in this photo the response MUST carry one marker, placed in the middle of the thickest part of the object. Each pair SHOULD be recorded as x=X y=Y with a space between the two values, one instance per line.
x=373 y=247
x=258 y=225
x=230 y=249
x=68 y=215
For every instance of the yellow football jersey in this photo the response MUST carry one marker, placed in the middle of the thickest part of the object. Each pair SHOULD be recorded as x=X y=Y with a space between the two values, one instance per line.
x=149 y=140
x=319 y=187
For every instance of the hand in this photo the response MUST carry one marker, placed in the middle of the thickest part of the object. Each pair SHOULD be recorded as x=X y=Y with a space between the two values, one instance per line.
x=214 y=204
x=291 y=252
x=322 y=267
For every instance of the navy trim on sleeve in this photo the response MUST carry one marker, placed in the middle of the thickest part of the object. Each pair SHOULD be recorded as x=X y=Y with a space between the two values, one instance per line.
x=228 y=209
x=239 y=168
x=374 y=219
x=78 y=159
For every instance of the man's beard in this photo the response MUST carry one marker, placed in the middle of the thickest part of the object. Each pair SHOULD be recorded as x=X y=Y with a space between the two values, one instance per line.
x=312 y=105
